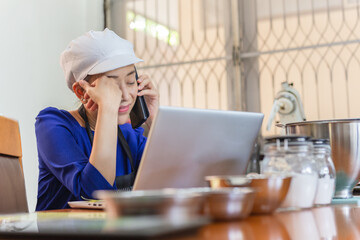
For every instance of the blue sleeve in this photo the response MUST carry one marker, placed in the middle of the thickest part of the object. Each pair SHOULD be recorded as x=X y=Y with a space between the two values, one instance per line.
x=64 y=158
x=141 y=142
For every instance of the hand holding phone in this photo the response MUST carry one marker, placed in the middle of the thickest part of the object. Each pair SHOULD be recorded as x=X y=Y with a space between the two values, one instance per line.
x=140 y=113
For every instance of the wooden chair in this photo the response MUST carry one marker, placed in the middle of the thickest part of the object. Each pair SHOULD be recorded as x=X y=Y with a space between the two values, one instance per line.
x=12 y=184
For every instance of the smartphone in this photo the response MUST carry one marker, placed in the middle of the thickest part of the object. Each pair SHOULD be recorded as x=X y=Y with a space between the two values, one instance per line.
x=140 y=113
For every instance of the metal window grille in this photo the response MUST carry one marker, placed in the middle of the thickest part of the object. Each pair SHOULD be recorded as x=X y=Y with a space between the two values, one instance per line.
x=311 y=43
x=234 y=54
x=187 y=46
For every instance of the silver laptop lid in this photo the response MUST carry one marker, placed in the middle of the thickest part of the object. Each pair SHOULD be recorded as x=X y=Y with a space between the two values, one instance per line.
x=185 y=145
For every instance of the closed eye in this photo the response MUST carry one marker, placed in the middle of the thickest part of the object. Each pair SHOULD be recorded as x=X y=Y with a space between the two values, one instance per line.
x=130 y=73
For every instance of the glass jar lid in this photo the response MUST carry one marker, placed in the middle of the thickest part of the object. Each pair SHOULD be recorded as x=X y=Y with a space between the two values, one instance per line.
x=322 y=141
x=287 y=138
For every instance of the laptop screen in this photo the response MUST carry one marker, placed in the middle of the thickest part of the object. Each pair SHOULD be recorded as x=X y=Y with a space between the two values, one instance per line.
x=185 y=145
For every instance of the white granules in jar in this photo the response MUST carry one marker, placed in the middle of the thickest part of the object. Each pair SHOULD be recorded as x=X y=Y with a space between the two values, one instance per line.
x=325 y=190
x=301 y=192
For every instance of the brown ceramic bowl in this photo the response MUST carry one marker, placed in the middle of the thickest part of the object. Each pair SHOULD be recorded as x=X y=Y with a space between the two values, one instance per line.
x=222 y=181
x=229 y=203
x=271 y=189
x=271 y=193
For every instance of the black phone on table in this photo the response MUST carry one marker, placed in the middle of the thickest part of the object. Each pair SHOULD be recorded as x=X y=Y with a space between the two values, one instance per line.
x=139 y=113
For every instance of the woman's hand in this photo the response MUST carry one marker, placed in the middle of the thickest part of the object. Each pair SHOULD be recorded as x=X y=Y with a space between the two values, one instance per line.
x=104 y=95
x=102 y=92
x=151 y=95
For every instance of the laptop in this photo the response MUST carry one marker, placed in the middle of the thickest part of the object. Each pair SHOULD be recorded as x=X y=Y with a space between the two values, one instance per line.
x=186 y=144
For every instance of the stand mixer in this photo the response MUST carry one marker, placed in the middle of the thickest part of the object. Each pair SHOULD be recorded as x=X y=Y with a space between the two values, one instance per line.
x=288 y=105
x=344 y=136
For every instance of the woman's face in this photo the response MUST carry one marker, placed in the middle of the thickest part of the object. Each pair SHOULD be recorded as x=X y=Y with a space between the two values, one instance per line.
x=126 y=81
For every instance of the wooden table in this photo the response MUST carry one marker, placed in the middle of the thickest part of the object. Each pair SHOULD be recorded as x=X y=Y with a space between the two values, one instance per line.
x=332 y=222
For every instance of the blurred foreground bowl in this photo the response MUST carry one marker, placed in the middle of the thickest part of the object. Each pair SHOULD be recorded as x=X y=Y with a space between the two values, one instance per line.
x=171 y=203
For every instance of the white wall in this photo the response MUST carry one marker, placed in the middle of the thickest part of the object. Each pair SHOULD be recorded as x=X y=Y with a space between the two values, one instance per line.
x=33 y=34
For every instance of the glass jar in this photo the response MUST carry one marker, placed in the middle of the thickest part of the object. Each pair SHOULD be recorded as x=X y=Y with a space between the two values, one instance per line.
x=292 y=155
x=326 y=171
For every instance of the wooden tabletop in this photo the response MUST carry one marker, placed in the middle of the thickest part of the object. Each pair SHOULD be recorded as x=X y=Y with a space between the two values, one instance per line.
x=331 y=222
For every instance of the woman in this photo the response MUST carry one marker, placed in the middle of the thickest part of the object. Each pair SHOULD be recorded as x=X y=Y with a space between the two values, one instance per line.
x=93 y=147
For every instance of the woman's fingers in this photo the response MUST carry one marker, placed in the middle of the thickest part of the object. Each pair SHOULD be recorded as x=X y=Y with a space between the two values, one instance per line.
x=147 y=88
x=84 y=84
x=94 y=107
x=86 y=96
x=90 y=104
x=148 y=92
x=144 y=82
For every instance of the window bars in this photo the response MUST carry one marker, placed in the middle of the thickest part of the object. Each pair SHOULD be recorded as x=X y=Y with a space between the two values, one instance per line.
x=187 y=46
x=311 y=43
x=234 y=54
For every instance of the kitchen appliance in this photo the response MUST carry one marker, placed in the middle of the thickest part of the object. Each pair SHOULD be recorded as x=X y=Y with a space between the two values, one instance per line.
x=288 y=105
x=344 y=136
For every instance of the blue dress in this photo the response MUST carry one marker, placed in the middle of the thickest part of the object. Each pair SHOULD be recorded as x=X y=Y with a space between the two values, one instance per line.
x=65 y=173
